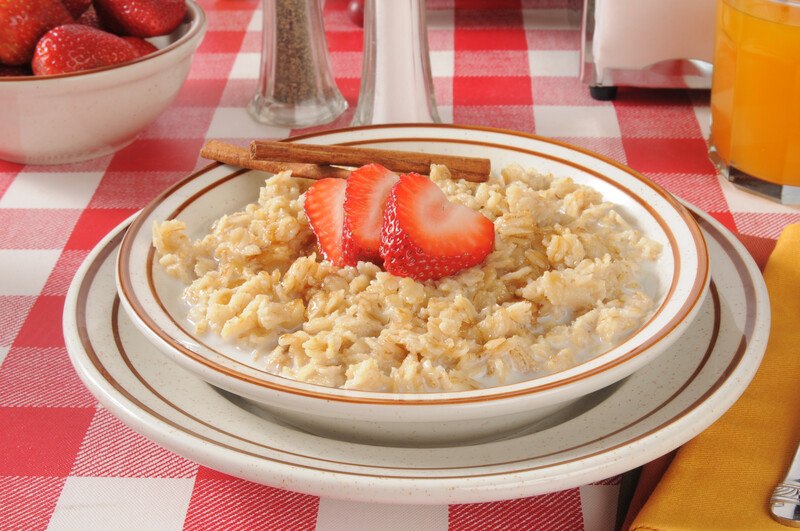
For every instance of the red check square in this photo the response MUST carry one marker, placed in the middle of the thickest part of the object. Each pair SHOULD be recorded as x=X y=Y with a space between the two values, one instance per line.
x=41 y=441
x=663 y=155
x=489 y=39
x=42 y=328
x=526 y=513
x=112 y=449
x=41 y=377
x=345 y=41
x=28 y=502
x=491 y=91
x=95 y=223
x=240 y=504
x=147 y=155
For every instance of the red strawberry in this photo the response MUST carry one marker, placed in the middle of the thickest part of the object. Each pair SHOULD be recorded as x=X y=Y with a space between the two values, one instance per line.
x=141 y=18
x=22 y=22
x=424 y=236
x=368 y=188
x=76 y=7
x=73 y=47
x=89 y=18
x=324 y=206
x=140 y=46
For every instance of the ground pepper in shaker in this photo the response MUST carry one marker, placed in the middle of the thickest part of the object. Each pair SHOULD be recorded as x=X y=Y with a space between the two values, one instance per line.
x=295 y=87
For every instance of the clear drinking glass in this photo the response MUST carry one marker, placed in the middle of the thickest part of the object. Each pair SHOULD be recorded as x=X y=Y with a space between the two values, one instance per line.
x=755 y=96
x=396 y=82
x=295 y=86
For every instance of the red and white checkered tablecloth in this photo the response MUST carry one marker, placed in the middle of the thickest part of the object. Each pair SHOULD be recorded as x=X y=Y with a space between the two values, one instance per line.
x=67 y=463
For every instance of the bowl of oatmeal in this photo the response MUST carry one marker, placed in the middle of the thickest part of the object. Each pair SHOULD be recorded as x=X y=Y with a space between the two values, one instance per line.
x=594 y=271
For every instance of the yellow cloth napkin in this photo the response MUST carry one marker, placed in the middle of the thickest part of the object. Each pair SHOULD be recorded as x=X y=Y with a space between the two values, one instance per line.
x=724 y=477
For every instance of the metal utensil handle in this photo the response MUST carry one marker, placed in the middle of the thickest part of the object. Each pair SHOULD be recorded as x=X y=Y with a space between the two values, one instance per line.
x=785 y=500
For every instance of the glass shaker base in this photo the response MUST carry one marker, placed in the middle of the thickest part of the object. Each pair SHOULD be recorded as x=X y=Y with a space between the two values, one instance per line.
x=294 y=115
x=781 y=193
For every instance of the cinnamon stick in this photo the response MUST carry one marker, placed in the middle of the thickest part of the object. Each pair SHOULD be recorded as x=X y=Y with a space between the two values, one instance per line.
x=467 y=168
x=239 y=156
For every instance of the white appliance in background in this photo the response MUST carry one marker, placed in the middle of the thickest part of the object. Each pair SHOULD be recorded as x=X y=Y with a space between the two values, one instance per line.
x=646 y=43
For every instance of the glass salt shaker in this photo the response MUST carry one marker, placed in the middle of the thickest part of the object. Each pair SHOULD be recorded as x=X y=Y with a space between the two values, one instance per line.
x=295 y=86
x=396 y=82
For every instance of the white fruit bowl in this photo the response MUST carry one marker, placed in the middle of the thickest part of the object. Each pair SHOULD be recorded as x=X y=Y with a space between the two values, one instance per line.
x=83 y=115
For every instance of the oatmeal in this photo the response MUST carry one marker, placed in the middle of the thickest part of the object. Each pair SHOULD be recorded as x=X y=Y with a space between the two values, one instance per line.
x=562 y=284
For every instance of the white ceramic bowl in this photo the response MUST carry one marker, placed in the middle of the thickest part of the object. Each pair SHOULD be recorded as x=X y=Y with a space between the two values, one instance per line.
x=153 y=300
x=83 y=115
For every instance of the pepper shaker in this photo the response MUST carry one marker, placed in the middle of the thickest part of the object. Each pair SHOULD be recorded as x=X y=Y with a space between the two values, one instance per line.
x=296 y=86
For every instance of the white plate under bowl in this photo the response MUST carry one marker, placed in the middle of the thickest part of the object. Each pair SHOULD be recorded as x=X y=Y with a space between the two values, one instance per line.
x=678 y=283
x=646 y=415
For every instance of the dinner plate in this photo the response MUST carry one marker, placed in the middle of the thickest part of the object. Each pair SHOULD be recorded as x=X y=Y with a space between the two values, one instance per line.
x=677 y=282
x=646 y=415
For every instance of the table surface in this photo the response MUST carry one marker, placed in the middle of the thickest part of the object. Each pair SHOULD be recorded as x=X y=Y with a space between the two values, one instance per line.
x=67 y=463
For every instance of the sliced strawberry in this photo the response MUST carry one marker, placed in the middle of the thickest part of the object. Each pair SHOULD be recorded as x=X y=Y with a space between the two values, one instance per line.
x=368 y=189
x=424 y=236
x=324 y=206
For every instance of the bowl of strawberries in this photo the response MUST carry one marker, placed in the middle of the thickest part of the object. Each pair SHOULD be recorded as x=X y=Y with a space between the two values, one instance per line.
x=80 y=79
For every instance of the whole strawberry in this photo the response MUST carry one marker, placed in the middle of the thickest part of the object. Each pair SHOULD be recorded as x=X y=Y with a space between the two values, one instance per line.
x=140 y=46
x=89 y=18
x=22 y=22
x=77 y=7
x=141 y=18
x=73 y=47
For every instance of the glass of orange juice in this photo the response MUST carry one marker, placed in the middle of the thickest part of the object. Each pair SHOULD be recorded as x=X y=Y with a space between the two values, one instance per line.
x=755 y=96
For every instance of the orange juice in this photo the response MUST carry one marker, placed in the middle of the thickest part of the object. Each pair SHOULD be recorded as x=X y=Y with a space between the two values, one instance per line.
x=755 y=94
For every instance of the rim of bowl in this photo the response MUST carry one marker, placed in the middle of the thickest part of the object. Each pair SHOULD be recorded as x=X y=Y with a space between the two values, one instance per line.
x=196 y=18
x=527 y=387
